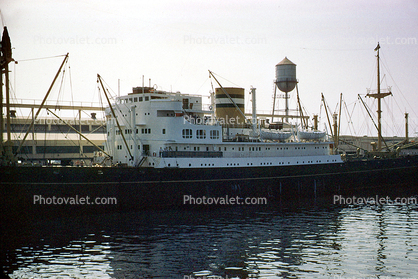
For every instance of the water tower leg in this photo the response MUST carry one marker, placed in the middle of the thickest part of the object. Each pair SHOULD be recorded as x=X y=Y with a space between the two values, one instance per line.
x=287 y=106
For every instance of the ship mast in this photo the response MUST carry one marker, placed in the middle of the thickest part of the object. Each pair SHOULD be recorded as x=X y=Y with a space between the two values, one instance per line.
x=379 y=95
x=6 y=155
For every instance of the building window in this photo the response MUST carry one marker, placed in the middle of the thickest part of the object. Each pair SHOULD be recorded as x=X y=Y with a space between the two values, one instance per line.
x=214 y=134
x=200 y=134
x=187 y=133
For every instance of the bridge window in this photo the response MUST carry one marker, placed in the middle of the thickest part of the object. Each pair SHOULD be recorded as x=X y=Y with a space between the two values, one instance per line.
x=187 y=133
x=214 y=134
x=200 y=134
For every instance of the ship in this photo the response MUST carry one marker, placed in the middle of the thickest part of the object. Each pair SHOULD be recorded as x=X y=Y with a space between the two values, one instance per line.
x=167 y=149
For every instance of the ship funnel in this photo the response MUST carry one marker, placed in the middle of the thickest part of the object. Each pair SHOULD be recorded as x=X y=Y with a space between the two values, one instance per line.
x=226 y=107
x=286 y=75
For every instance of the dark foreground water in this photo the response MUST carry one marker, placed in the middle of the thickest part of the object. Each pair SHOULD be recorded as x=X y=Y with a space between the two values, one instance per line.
x=292 y=240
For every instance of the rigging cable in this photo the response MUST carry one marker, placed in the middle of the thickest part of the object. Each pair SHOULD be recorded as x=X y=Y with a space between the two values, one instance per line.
x=41 y=58
x=226 y=79
x=400 y=91
x=349 y=118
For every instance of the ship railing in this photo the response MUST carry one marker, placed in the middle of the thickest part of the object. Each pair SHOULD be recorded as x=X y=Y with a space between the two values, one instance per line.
x=190 y=154
x=205 y=120
x=29 y=103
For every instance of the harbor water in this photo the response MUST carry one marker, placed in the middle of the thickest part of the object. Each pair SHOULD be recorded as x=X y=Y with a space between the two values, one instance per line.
x=291 y=239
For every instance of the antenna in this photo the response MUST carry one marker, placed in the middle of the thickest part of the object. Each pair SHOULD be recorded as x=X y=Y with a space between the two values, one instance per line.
x=2 y=19
x=118 y=87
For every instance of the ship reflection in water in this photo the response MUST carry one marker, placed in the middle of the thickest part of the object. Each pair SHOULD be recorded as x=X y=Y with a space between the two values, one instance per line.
x=301 y=240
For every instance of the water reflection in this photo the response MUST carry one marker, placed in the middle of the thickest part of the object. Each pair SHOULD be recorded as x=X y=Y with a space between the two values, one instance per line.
x=381 y=238
x=79 y=259
x=310 y=241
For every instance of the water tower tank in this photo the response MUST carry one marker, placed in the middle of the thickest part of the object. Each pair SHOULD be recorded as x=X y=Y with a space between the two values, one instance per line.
x=286 y=75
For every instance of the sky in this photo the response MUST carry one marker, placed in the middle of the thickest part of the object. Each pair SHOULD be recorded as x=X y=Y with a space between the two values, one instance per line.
x=175 y=43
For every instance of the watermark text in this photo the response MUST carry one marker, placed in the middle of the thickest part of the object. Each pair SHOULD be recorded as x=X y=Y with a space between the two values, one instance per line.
x=375 y=200
x=77 y=200
x=223 y=40
x=226 y=200
x=210 y=120
x=77 y=40
x=383 y=40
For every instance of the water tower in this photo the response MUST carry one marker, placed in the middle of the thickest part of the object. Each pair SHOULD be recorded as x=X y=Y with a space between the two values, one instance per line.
x=285 y=80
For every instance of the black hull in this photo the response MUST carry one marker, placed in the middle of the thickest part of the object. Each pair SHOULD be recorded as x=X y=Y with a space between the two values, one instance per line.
x=138 y=188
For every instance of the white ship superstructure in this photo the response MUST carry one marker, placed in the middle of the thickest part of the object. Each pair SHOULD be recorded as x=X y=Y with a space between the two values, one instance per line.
x=173 y=130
